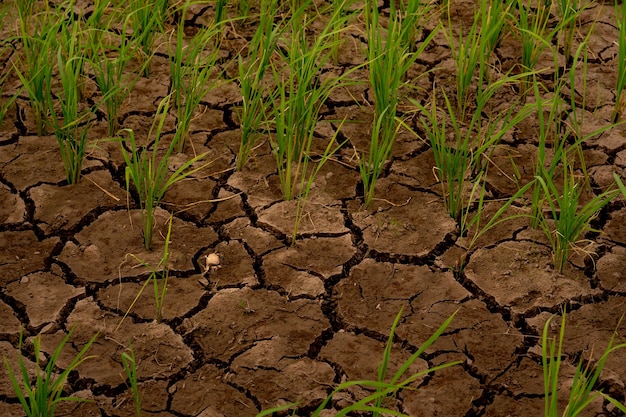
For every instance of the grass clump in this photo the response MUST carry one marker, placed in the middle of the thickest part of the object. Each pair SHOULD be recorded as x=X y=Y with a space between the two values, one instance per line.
x=41 y=397
x=194 y=72
x=38 y=36
x=130 y=368
x=148 y=170
x=585 y=377
x=109 y=56
x=390 y=54
x=72 y=127
x=257 y=96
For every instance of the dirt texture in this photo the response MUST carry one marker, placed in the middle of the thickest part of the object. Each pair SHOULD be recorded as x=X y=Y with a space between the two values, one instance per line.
x=275 y=323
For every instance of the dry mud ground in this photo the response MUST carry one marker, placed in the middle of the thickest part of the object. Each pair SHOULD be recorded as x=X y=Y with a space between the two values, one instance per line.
x=280 y=323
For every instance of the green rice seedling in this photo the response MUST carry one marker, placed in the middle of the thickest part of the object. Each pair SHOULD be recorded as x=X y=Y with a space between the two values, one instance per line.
x=535 y=34
x=194 y=72
x=72 y=127
x=571 y=219
x=109 y=60
x=146 y=17
x=458 y=161
x=25 y=10
x=585 y=378
x=467 y=56
x=551 y=136
x=374 y=403
x=157 y=273
x=243 y=8
x=38 y=35
x=620 y=97
x=473 y=51
x=130 y=368
x=41 y=397
x=471 y=219
x=338 y=9
x=149 y=173
x=389 y=58
x=256 y=94
x=566 y=9
x=301 y=91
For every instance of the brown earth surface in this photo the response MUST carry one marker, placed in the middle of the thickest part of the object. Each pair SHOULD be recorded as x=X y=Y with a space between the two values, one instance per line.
x=279 y=323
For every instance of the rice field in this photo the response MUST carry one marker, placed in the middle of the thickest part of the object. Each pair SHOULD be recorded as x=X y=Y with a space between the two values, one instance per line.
x=312 y=208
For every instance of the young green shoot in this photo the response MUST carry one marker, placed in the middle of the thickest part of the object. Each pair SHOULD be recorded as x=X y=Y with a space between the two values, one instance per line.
x=570 y=217
x=38 y=35
x=158 y=277
x=72 y=127
x=130 y=368
x=301 y=91
x=473 y=51
x=41 y=397
x=252 y=70
x=147 y=18
x=109 y=57
x=567 y=11
x=194 y=73
x=459 y=161
x=536 y=36
x=585 y=378
x=553 y=146
x=307 y=179
x=389 y=56
x=148 y=170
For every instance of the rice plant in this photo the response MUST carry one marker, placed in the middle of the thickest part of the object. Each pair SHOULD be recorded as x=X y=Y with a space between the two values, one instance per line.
x=585 y=377
x=374 y=403
x=535 y=35
x=467 y=56
x=620 y=97
x=109 y=55
x=553 y=140
x=257 y=96
x=130 y=368
x=220 y=11
x=147 y=18
x=40 y=398
x=473 y=51
x=148 y=170
x=158 y=277
x=462 y=159
x=194 y=72
x=570 y=217
x=567 y=11
x=72 y=127
x=38 y=36
x=301 y=90
x=389 y=57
